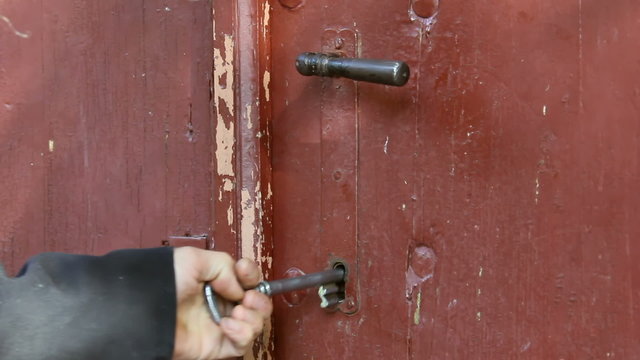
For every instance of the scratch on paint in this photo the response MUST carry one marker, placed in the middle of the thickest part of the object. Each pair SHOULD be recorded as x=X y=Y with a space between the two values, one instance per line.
x=416 y=314
x=386 y=146
x=537 y=190
x=225 y=139
x=24 y=35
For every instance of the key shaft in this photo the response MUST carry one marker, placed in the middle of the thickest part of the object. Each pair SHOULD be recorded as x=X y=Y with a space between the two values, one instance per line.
x=271 y=288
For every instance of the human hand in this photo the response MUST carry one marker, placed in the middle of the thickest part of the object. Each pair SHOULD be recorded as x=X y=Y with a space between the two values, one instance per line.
x=197 y=336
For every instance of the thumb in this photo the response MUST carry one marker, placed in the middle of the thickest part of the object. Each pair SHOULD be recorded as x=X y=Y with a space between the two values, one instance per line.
x=218 y=269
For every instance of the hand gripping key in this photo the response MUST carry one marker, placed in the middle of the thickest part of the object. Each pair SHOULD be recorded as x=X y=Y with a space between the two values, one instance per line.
x=218 y=307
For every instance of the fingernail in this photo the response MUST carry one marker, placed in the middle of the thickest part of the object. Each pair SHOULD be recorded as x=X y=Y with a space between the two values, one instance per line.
x=230 y=324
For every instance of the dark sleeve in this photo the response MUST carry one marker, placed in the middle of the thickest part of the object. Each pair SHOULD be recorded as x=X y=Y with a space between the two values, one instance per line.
x=118 y=306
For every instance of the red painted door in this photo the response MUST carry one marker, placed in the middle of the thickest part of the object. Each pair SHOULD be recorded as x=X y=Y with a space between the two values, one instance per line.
x=487 y=210
x=105 y=125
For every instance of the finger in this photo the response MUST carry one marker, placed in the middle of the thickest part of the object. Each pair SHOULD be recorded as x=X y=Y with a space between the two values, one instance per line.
x=218 y=268
x=249 y=316
x=248 y=273
x=258 y=302
x=240 y=333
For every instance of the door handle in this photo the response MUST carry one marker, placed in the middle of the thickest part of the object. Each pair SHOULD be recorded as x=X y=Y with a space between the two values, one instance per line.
x=386 y=72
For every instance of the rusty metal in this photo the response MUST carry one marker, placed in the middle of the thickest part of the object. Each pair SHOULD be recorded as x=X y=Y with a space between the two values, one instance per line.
x=386 y=72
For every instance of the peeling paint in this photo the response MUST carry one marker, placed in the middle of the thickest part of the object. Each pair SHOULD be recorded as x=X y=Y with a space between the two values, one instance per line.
x=263 y=353
x=252 y=238
x=251 y=235
x=268 y=260
x=269 y=192
x=248 y=115
x=223 y=93
x=247 y=225
x=227 y=185
x=230 y=215
x=265 y=18
x=266 y=79
x=416 y=314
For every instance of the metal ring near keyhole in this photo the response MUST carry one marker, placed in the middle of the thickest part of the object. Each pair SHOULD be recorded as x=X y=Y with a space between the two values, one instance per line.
x=332 y=295
x=342 y=266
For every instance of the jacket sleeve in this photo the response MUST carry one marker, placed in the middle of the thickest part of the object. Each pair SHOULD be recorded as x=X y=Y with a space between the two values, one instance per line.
x=118 y=306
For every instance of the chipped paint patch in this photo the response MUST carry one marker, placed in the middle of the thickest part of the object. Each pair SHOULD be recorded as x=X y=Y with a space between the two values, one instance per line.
x=247 y=225
x=266 y=79
x=269 y=192
x=248 y=116
x=268 y=260
x=386 y=146
x=537 y=191
x=452 y=304
x=478 y=316
x=230 y=215
x=223 y=69
x=266 y=18
x=416 y=314
x=251 y=235
x=544 y=110
x=251 y=232
x=52 y=145
x=227 y=185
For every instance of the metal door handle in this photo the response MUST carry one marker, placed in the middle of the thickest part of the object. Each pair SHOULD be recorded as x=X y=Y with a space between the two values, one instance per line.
x=387 y=72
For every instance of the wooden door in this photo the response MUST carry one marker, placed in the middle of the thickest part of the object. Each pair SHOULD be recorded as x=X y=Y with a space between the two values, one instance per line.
x=487 y=210
x=105 y=126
